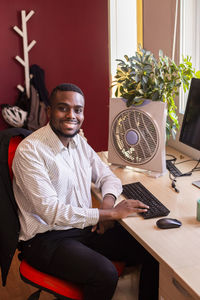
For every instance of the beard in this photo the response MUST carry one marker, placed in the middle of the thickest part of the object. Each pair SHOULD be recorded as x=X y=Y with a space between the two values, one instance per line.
x=60 y=133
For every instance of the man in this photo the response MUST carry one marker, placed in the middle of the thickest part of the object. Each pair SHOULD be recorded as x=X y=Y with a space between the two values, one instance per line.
x=61 y=234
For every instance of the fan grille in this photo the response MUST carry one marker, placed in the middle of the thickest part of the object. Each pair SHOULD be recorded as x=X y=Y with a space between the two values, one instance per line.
x=134 y=136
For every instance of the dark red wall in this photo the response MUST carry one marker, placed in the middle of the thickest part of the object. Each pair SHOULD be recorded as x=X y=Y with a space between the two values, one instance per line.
x=72 y=46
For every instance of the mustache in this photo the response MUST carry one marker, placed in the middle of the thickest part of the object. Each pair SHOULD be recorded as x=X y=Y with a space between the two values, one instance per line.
x=71 y=120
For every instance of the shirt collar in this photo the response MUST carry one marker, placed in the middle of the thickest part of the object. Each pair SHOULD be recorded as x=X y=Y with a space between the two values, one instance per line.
x=54 y=141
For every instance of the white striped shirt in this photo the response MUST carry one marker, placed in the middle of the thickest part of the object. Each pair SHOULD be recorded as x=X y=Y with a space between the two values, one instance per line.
x=52 y=183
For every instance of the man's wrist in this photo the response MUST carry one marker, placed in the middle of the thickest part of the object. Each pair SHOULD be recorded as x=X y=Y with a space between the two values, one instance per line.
x=107 y=214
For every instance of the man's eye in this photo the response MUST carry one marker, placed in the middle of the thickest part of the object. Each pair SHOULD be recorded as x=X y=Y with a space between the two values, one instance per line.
x=78 y=110
x=62 y=108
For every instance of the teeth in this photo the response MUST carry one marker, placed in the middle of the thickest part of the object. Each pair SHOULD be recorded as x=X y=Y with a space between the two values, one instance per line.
x=70 y=121
x=69 y=125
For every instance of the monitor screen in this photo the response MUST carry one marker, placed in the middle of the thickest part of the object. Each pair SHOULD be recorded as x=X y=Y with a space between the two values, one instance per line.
x=190 y=130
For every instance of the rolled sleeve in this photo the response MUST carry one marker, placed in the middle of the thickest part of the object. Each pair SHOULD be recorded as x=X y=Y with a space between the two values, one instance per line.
x=115 y=188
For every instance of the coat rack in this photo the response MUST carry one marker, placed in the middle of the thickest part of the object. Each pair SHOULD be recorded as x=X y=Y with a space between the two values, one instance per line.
x=25 y=62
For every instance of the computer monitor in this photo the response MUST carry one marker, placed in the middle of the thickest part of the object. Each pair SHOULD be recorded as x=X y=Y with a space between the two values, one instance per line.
x=190 y=130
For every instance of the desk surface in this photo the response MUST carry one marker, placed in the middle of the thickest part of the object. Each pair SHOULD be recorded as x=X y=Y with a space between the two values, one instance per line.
x=179 y=248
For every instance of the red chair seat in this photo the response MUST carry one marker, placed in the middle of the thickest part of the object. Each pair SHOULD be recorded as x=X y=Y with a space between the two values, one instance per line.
x=49 y=282
x=54 y=285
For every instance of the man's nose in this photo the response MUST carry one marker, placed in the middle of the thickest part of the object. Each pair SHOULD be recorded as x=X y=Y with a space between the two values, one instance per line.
x=70 y=114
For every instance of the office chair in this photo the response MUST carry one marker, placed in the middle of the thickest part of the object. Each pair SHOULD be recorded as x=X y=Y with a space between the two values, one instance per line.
x=61 y=289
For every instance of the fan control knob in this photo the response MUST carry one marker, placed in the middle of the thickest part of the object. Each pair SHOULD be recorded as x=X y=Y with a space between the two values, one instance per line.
x=132 y=137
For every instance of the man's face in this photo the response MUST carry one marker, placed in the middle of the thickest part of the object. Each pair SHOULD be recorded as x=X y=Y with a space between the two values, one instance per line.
x=66 y=114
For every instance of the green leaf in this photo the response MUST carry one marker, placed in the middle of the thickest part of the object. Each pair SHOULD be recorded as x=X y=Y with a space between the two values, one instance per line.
x=197 y=74
x=142 y=75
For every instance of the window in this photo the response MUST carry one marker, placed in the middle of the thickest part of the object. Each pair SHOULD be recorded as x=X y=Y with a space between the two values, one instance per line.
x=125 y=29
x=189 y=38
x=189 y=45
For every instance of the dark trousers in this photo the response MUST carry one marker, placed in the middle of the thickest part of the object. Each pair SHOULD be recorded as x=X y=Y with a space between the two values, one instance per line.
x=83 y=257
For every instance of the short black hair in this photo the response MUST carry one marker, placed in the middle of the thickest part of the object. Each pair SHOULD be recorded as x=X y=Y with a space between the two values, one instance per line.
x=69 y=87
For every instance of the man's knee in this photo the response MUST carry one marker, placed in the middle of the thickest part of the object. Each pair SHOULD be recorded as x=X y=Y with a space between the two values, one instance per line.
x=107 y=274
x=103 y=283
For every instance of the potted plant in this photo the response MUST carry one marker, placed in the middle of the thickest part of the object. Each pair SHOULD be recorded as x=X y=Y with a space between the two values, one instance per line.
x=144 y=77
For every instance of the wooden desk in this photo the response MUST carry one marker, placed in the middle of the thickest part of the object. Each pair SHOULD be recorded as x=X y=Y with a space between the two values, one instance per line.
x=177 y=250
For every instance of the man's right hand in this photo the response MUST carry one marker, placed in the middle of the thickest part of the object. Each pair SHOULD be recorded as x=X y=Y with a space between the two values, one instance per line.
x=127 y=207
x=122 y=210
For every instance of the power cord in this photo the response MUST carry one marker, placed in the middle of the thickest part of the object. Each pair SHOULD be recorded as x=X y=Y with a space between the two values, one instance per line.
x=174 y=186
x=174 y=179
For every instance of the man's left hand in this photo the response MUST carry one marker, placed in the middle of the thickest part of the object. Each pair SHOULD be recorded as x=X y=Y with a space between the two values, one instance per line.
x=102 y=227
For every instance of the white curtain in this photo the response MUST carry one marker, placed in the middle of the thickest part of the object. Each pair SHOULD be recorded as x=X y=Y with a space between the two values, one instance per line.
x=123 y=30
x=189 y=38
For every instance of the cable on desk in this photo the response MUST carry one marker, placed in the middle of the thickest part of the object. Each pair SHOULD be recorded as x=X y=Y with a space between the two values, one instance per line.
x=179 y=174
x=195 y=168
x=174 y=178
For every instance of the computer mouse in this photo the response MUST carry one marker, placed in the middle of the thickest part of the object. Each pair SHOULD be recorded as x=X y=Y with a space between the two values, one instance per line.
x=166 y=223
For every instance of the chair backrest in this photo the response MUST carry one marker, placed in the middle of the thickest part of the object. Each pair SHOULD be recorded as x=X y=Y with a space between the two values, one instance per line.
x=9 y=225
x=14 y=142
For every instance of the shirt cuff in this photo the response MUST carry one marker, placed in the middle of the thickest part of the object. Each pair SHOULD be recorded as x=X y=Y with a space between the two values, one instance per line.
x=92 y=216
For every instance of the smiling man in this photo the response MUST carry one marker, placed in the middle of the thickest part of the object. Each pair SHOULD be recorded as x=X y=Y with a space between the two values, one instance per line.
x=61 y=233
x=66 y=113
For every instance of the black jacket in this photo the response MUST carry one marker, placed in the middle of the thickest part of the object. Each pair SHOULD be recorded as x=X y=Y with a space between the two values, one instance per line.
x=9 y=222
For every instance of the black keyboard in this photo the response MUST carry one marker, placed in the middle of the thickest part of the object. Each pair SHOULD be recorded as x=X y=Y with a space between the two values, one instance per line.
x=173 y=169
x=137 y=191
